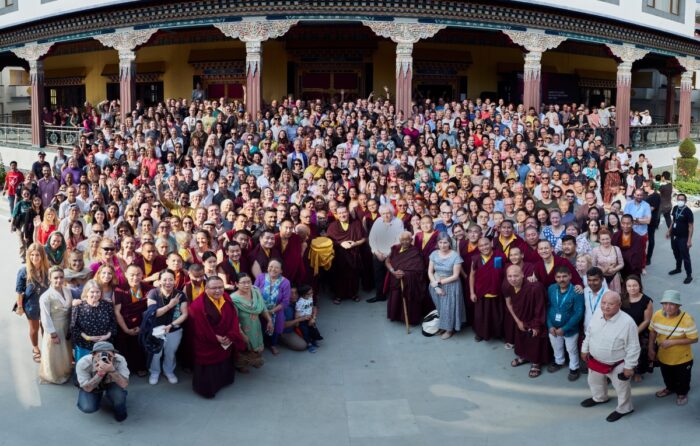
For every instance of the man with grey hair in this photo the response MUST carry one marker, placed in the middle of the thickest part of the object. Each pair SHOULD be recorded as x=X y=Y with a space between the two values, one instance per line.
x=383 y=234
x=611 y=349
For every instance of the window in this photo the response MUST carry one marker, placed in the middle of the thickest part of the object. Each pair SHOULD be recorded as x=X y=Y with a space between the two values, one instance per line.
x=8 y=6
x=669 y=6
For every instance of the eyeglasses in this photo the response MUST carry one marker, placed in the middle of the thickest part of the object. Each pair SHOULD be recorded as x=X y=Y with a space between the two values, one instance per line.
x=108 y=248
x=451 y=192
x=556 y=192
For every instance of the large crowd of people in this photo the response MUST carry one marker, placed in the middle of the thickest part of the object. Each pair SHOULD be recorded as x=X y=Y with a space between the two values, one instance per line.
x=191 y=234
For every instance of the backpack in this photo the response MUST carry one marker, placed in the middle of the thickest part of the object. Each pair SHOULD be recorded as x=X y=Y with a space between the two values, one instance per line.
x=430 y=324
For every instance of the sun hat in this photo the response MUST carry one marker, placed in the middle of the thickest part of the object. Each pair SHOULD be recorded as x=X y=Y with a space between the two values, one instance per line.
x=671 y=297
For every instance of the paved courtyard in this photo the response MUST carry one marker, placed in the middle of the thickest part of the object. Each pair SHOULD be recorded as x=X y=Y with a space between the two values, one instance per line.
x=369 y=384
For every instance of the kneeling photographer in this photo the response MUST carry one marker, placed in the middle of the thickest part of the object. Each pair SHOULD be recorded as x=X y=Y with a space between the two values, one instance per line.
x=103 y=371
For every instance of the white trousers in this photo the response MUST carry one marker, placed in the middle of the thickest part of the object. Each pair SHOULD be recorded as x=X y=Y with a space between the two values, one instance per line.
x=599 y=388
x=563 y=344
x=172 y=342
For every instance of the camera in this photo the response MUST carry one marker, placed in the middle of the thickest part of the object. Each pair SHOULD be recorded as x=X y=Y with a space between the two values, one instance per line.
x=104 y=357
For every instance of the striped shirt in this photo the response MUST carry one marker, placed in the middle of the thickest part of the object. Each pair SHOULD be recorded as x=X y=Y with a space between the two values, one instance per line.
x=663 y=326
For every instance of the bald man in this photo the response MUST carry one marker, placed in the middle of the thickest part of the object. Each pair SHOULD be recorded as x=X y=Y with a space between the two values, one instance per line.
x=526 y=303
x=611 y=348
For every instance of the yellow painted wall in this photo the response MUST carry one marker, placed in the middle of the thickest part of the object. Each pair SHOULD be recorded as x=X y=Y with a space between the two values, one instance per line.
x=177 y=79
x=94 y=62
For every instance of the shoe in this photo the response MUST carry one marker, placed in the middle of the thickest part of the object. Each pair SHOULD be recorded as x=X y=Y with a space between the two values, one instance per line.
x=478 y=338
x=573 y=375
x=153 y=379
x=172 y=379
x=682 y=400
x=688 y=280
x=648 y=262
x=120 y=417
x=554 y=367
x=615 y=415
x=311 y=348
x=508 y=346
x=372 y=300
x=590 y=402
x=674 y=271
x=314 y=343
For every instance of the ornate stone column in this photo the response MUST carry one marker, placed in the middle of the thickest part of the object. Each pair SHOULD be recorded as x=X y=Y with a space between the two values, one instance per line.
x=125 y=42
x=405 y=35
x=32 y=53
x=627 y=54
x=535 y=42
x=253 y=31
x=691 y=65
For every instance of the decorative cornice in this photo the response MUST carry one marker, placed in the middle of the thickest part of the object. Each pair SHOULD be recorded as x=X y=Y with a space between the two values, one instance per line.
x=534 y=41
x=33 y=51
x=472 y=14
x=690 y=64
x=404 y=32
x=256 y=29
x=627 y=53
x=126 y=41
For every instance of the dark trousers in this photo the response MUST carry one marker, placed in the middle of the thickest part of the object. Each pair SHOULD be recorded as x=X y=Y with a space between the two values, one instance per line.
x=667 y=218
x=89 y=402
x=652 y=241
x=677 y=377
x=379 y=270
x=681 y=253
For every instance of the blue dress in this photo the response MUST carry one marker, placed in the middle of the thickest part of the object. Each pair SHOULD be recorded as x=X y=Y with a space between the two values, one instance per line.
x=31 y=292
x=450 y=305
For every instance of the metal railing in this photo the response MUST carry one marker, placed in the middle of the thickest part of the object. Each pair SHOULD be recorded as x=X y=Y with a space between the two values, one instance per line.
x=15 y=134
x=694 y=132
x=607 y=134
x=657 y=135
x=60 y=136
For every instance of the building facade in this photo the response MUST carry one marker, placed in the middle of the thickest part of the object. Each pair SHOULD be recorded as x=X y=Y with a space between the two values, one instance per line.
x=524 y=52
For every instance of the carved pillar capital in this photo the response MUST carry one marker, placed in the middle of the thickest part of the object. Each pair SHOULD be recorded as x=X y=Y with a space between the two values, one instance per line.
x=534 y=41
x=256 y=29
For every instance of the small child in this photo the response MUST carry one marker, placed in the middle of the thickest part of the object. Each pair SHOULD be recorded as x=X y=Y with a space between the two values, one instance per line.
x=305 y=310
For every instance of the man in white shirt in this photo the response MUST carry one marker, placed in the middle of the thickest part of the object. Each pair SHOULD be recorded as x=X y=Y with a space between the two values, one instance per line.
x=596 y=286
x=384 y=234
x=611 y=349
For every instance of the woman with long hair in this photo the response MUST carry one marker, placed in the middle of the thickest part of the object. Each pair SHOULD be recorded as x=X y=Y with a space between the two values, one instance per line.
x=251 y=308
x=76 y=235
x=641 y=308
x=55 y=304
x=32 y=281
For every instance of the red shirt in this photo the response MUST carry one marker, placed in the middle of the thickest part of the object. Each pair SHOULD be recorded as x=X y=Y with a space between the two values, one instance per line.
x=12 y=180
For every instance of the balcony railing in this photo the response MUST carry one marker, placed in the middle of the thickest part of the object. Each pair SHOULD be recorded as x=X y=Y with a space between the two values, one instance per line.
x=58 y=136
x=651 y=136
x=15 y=135
x=694 y=132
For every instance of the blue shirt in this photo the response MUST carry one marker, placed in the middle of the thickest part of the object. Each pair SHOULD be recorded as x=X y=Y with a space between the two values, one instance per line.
x=641 y=210
x=565 y=310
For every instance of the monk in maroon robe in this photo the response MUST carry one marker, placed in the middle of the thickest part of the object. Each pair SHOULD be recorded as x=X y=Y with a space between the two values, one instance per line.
x=485 y=282
x=632 y=246
x=234 y=264
x=291 y=247
x=192 y=289
x=526 y=303
x=217 y=336
x=348 y=237
x=426 y=239
x=468 y=251
x=262 y=254
x=150 y=263
x=129 y=305
x=532 y=238
x=507 y=238
x=515 y=257
x=405 y=279
x=546 y=267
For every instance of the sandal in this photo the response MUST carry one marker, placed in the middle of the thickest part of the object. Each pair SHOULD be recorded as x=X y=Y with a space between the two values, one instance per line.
x=682 y=400
x=517 y=362
x=274 y=350
x=534 y=372
x=36 y=356
x=336 y=301
x=356 y=298
x=637 y=378
x=663 y=393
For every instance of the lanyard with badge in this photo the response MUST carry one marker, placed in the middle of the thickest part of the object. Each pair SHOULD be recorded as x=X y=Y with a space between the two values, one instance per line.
x=677 y=215
x=597 y=301
x=560 y=299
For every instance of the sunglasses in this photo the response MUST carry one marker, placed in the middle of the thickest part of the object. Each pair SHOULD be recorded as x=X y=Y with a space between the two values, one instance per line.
x=108 y=248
